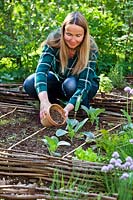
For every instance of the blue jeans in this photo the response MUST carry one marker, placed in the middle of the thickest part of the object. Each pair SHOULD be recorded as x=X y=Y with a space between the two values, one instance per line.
x=59 y=90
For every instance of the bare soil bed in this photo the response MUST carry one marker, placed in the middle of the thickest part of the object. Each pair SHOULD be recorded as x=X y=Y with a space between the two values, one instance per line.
x=16 y=126
x=19 y=119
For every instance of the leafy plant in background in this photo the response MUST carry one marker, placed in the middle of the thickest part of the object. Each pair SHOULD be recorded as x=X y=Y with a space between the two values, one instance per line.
x=116 y=76
x=53 y=143
x=110 y=25
x=72 y=128
x=93 y=114
x=6 y=77
x=105 y=85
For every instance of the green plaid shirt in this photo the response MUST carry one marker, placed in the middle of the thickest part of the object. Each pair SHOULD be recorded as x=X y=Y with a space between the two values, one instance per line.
x=49 y=61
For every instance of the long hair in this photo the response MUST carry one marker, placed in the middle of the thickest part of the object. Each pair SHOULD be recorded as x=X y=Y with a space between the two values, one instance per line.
x=56 y=39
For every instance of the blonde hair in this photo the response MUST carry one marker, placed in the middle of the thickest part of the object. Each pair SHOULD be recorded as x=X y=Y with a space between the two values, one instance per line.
x=56 y=39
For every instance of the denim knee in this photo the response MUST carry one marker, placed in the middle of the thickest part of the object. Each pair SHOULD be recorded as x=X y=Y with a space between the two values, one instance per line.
x=29 y=86
x=69 y=86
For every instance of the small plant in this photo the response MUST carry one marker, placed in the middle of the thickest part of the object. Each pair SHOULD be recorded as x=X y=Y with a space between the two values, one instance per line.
x=6 y=77
x=119 y=141
x=105 y=85
x=88 y=155
x=116 y=76
x=72 y=128
x=53 y=143
x=93 y=114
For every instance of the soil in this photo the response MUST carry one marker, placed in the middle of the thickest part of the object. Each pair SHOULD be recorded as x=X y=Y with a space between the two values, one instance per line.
x=56 y=116
x=17 y=126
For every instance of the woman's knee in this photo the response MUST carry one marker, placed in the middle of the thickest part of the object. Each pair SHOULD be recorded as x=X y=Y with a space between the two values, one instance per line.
x=29 y=86
x=69 y=86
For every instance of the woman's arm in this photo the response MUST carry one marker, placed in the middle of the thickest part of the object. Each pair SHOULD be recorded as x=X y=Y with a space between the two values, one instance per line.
x=42 y=70
x=44 y=103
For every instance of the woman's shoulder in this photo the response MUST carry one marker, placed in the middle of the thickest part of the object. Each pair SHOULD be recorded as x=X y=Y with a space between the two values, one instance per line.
x=50 y=49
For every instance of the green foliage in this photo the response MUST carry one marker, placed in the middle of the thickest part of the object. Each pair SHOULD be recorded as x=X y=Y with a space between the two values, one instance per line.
x=128 y=117
x=109 y=143
x=77 y=105
x=53 y=143
x=116 y=75
x=88 y=155
x=105 y=84
x=125 y=189
x=93 y=114
x=25 y=24
x=70 y=189
x=72 y=128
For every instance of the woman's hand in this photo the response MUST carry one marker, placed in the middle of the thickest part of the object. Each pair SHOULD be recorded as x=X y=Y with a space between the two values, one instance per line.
x=68 y=108
x=43 y=108
x=44 y=104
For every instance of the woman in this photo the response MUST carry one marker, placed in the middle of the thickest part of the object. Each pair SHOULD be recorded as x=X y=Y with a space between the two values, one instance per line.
x=66 y=68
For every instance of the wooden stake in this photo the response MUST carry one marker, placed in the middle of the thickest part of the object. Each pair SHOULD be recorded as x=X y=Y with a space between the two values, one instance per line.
x=14 y=145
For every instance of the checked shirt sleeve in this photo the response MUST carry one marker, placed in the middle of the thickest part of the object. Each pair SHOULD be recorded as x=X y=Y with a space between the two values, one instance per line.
x=43 y=67
x=88 y=76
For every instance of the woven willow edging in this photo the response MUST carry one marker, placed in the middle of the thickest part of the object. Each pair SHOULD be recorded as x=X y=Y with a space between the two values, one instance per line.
x=33 y=174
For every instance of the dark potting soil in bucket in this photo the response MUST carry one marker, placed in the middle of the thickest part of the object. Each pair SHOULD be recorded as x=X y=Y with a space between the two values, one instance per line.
x=56 y=116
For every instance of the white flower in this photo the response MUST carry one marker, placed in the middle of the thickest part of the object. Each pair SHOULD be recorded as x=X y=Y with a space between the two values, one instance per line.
x=105 y=169
x=127 y=89
x=131 y=141
x=112 y=161
x=131 y=167
x=131 y=91
x=129 y=159
x=115 y=154
x=110 y=167
x=124 y=176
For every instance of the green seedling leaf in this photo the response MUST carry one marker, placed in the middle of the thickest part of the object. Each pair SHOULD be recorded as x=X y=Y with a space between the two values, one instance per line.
x=71 y=123
x=78 y=103
x=51 y=142
x=104 y=131
x=128 y=126
x=93 y=113
x=71 y=134
x=62 y=143
x=89 y=135
x=57 y=154
x=85 y=109
x=80 y=125
x=45 y=141
x=61 y=132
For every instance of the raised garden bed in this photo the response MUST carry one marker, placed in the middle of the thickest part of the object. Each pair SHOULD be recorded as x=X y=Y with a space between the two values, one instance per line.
x=27 y=169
